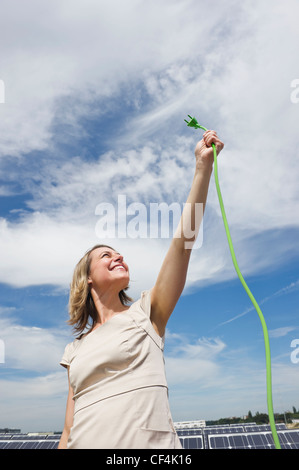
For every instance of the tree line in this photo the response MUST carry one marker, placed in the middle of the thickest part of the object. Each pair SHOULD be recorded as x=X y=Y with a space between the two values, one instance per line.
x=258 y=418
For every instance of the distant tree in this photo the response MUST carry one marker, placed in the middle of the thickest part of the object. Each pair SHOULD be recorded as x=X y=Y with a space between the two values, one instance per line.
x=261 y=418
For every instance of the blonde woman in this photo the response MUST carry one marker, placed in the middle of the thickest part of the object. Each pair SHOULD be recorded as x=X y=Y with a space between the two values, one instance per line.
x=118 y=395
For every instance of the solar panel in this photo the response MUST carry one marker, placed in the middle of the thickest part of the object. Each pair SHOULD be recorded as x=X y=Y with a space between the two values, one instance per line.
x=218 y=442
x=288 y=440
x=223 y=430
x=48 y=444
x=29 y=444
x=189 y=432
x=192 y=442
x=264 y=427
x=281 y=426
x=216 y=437
x=25 y=437
x=260 y=441
x=13 y=445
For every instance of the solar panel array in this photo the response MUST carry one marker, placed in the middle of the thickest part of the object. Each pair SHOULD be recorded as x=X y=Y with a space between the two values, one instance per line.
x=25 y=441
x=238 y=437
x=211 y=437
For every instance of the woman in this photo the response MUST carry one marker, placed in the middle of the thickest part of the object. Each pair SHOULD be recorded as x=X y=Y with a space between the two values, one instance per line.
x=118 y=395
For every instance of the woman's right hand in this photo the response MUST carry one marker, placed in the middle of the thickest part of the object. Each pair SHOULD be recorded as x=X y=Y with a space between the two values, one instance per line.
x=204 y=153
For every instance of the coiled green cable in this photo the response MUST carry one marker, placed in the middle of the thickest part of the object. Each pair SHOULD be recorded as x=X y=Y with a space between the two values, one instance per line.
x=193 y=123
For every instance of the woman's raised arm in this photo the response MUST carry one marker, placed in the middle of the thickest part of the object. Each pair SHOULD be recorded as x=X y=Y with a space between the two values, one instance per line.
x=172 y=276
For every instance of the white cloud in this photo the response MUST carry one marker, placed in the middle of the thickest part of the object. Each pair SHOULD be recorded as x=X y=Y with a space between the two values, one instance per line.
x=30 y=348
x=230 y=79
x=78 y=50
x=208 y=379
x=33 y=388
x=34 y=404
x=190 y=363
x=41 y=251
x=232 y=69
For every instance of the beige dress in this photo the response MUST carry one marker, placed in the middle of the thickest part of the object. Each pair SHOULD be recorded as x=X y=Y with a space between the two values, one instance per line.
x=120 y=391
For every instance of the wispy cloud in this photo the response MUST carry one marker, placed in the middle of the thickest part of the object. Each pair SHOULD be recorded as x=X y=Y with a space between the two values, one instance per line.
x=293 y=287
x=283 y=331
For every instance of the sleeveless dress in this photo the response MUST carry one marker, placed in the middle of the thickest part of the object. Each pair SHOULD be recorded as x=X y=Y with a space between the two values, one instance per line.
x=118 y=377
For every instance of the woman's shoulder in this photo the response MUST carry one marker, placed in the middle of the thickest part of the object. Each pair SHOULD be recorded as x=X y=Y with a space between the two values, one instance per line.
x=145 y=301
x=68 y=352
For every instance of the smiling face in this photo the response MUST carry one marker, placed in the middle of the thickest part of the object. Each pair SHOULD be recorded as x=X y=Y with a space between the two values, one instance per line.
x=107 y=268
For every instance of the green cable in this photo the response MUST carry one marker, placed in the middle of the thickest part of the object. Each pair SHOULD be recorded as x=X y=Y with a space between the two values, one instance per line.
x=193 y=123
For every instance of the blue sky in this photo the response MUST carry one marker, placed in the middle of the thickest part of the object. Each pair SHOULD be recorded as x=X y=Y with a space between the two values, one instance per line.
x=96 y=94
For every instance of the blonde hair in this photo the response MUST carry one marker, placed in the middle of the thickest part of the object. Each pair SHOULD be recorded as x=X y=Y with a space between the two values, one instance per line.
x=81 y=305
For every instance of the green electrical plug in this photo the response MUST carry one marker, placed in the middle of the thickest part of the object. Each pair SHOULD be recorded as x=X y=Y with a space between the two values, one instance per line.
x=193 y=123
